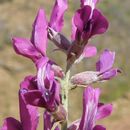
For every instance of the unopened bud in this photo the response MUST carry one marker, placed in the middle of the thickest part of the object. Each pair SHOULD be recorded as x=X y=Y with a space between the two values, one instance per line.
x=85 y=78
x=58 y=71
x=59 y=39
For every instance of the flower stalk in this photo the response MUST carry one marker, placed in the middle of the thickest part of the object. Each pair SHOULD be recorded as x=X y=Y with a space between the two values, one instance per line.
x=65 y=97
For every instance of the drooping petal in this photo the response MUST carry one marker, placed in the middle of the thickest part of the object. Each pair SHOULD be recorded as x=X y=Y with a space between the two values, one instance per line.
x=24 y=47
x=56 y=20
x=39 y=34
x=110 y=74
x=41 y=74
x=90 y=103
x=89 y=51
x=99 y=127
x=100 y=23
x=104 y=111
x=81 y=17
x=28 y=114
x=45 y=75
x=29 y=83
x=35 y=98
x=49 y=99
x=106 y=61
x=11 y=124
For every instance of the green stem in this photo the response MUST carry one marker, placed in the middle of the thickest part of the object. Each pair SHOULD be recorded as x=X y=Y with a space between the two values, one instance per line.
x=65 y=91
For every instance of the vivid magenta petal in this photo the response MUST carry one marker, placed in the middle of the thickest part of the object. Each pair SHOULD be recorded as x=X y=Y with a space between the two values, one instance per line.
x=28 y=114
x=90 y=103
x=110 y=74
x=11 y=124
x=24 y=47
x=29 y=83
x=57 y=15
x=81 y=17
x=104 y=111
x=89 y=51
x=39 y=34
x=106 y=61
x=45 y=75
x=100 y=23
x=35 y=98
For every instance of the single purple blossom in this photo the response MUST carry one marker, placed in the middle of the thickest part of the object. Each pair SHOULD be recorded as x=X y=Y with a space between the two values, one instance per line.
x=87 y=22
x=47 y=97
x=104 y=70
x=92 y=111
x=105 y=66
x=29 y=117
x=45 y=90
x=35 y=49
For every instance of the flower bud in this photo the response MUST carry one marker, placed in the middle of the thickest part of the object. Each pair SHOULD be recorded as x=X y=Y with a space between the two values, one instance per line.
x=85 y=78
x=57 y=71
x=59 y=39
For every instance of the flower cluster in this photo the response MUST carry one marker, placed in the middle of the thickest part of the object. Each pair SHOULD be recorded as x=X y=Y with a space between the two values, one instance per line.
x=50 y=86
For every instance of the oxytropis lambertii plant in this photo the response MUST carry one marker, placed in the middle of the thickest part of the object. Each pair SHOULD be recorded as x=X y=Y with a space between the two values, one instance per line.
x=50 y=86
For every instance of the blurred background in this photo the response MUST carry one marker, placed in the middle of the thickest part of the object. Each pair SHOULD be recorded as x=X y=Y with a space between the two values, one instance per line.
x=16 y=18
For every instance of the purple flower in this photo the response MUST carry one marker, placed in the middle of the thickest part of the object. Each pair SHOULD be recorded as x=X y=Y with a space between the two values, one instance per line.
x=105 y=66
x=35 y=49
x=104 y=70
x=87 y=22
x=46 y=96
x=42 y=90
x=92 y=111
x=56 y=19
x=85 y=25
x=29 y=117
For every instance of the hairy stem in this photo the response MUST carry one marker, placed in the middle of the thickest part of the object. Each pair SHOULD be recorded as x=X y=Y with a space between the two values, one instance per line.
x=65 y=91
